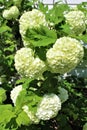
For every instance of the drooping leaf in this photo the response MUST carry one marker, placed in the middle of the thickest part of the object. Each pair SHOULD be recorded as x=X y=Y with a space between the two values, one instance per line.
x=23 y=119
x=82 y=37
x=66 y=29
x=6 y=113
x=42 y=36
x=55 y=15
x=42 y=7
x=4 y=28
x=2 y=95
x=21 y=99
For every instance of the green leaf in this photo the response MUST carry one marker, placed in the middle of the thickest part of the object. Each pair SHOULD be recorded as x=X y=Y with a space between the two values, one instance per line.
x=5 y=107
x=83 y=7
x=23 y=119
x=55 y=15
x=29 y=98
x=2 y=1
x=63 y=94
x=85 y=126
x=4 y=28
x=24 y=81
x=66 y=28
x=2 y=95
x=41 y=52
x=82 y=37
x=2 y=127
x=34 y=99
x=12 y=125
x=42 y=7
x=21 y=99
x=6 y=113
x=42 y=36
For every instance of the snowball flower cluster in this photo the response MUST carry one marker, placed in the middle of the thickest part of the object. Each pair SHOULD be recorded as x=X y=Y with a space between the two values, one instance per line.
x=66 y=53
x=15 y=92
x=13 y=12
x=76 y=19
x=27 y=65
x=49 y=107
x=30 y=114
x=31 y=19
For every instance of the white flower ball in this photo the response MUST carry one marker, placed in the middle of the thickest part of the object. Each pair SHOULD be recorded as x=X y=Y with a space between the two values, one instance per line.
x=31 y=19
x=6 y=14
x=30 y=114
x=37 y=68
x=76 y=19
x=49 y=107
x=65 y=55
x=27 y=65
x=13 y=12
x=15 y=92
x=23 y=59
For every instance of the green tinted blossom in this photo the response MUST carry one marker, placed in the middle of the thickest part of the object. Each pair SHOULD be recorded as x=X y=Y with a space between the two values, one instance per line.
x=49 y=107
x=65 y=55
x=11 y=13
x=15 y=92
x=76 y=19
x=31 y=115
x=27 y=65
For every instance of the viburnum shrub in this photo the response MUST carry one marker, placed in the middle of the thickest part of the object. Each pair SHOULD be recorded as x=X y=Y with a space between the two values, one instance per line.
x=43 y=66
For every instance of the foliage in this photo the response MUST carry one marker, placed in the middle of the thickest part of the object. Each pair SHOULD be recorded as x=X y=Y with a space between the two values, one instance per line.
x=41 y=37
x=70 y=88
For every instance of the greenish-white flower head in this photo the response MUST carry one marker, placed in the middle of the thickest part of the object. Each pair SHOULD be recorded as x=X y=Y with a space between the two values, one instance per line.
x=11 y=13
x=15 y=92
x=85 y=126
x=48 y=107
x=65 y=55
x=76 y=19
x=27 y=65
x=30 y=114
x=31 y=19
